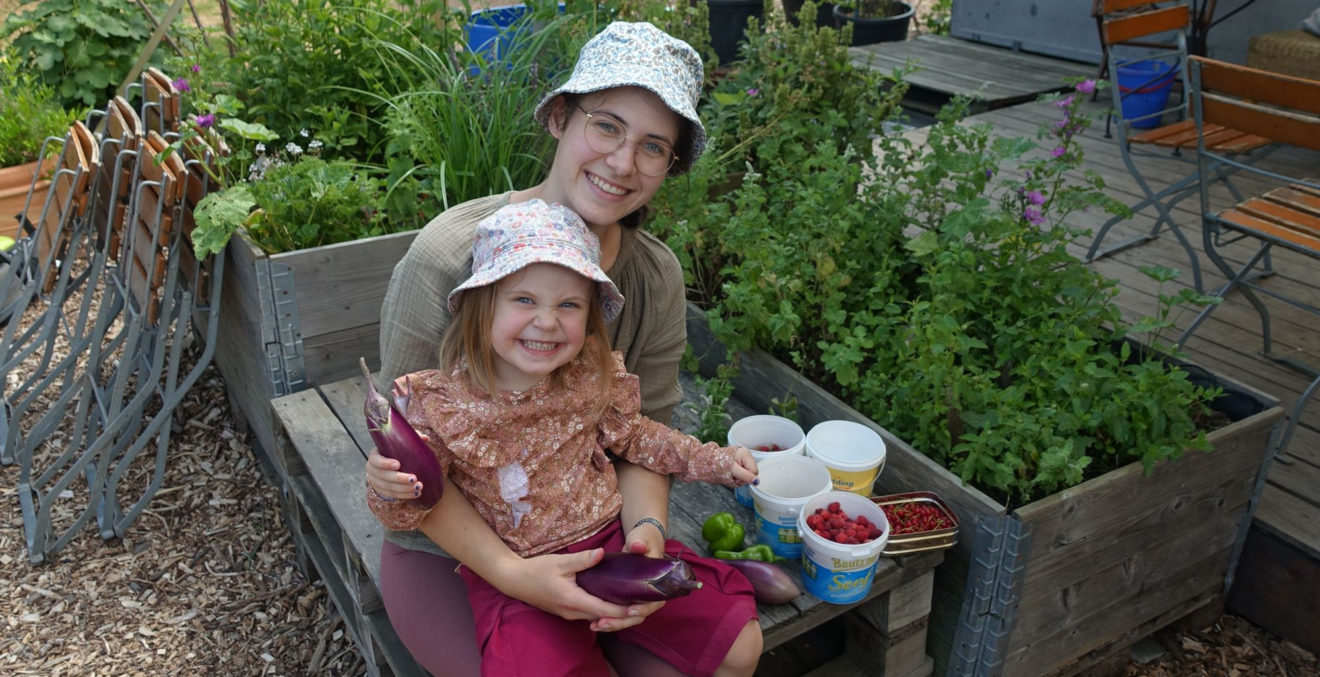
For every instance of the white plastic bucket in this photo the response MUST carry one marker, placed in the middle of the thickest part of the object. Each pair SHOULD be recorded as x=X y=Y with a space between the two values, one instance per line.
x=841 y=573
x=854 y=453
x=765 y=431
x=787 y=482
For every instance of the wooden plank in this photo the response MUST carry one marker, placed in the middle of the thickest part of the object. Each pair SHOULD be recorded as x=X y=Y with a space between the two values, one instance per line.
x=334 y=464
x=342 y=285
x=1291 y=518
x=332 y=357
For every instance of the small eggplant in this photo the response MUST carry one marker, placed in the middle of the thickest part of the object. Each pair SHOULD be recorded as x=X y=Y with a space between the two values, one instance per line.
x=629 y=578
x=769 y=583
x=396 y=439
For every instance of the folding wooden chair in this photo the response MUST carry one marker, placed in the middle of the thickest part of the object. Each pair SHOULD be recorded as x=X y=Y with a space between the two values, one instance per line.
x=1286 y=109
x=1126 y=24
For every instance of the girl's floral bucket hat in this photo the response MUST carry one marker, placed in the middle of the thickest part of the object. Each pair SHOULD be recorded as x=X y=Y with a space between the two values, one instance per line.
x=518 y=235
x=641 y=55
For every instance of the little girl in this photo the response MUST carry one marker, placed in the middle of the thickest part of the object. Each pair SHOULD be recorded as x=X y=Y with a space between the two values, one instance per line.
x=528 y=401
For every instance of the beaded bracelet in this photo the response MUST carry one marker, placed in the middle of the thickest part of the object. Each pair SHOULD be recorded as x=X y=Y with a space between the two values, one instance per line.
x=655 y=523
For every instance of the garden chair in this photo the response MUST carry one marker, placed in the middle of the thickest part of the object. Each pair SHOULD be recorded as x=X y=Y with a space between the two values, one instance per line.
x=47 y=258
x=1126 y=24
x=160 y=103
x=1286 y=109
x=119 y=392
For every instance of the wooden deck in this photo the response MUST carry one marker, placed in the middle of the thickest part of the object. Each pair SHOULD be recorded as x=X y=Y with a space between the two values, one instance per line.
x=946 y=67
x=1278 y=581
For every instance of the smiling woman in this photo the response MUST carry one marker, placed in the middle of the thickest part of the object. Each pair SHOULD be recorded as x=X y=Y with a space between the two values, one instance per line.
x=649 y=82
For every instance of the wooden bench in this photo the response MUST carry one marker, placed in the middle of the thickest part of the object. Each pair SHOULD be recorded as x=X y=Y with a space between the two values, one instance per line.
x=322 y=443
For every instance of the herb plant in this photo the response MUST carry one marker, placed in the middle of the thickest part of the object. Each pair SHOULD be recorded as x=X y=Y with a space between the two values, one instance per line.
x=941 y=301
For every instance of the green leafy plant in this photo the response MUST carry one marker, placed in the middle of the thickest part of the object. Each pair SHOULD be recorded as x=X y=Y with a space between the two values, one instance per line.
x=936 y=16
x=873 y=9
x=942 y=301
x=310 y=65
x=29 y=113
x=81 y=48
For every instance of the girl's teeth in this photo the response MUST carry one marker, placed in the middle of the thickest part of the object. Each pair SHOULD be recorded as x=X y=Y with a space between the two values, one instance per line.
x=537 y=345
x=604 y=186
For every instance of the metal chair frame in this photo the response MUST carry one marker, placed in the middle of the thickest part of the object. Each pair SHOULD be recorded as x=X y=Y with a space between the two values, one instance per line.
x=123 y=375
x=1128 y=23
x=1287 y=109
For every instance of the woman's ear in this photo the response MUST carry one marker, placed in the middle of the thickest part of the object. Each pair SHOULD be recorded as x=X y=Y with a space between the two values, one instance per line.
x=557 y=121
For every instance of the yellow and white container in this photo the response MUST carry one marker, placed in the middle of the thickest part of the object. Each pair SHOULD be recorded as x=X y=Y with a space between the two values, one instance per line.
x=854 y=453
x=841 y=573
x=765 y=431
x=787 y=482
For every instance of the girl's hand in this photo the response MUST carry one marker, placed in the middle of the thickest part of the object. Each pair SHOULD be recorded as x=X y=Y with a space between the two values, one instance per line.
x=385 y=479
x=549 y=583
x=744 y=468
x=637 y=542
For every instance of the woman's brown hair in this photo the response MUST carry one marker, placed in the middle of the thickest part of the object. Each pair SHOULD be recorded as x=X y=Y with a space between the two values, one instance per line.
x=468 y=337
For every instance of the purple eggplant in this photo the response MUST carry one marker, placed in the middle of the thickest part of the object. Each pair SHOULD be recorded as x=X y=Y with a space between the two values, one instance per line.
x=769 y=583
x=629 y=578
x=396 y=439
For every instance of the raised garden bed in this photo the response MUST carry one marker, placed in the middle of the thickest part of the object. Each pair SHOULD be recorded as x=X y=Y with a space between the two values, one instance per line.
x=1063 y=582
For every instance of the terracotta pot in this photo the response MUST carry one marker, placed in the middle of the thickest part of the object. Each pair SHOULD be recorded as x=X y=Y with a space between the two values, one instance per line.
x=15 y=182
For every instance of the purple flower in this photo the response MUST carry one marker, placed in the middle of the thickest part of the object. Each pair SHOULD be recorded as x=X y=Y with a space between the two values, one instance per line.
x=196 y=68
x=753 y=91
x=181 y=85
x=1058 y=151
x=1033 y=216
x=989 y=173
x=1086 y=86
x=1064 y=102
x=1035 y=197
x=205 y=121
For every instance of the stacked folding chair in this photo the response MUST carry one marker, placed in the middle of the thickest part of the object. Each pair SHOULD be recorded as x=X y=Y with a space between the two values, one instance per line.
x=1134 y=31
x=1286 y=216
x=90 y=424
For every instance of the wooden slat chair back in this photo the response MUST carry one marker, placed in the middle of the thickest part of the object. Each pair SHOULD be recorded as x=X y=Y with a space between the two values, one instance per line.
x=119 y=392
x=120 y=148
x=1159 y=26
x=1286 y=109
x=48 y=257
x=161 y=104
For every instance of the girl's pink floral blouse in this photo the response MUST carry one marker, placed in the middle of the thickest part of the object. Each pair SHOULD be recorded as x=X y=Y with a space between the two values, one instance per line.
x=533 y=463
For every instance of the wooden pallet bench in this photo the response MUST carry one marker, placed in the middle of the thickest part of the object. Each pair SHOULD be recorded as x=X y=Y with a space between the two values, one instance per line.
x=320 y=450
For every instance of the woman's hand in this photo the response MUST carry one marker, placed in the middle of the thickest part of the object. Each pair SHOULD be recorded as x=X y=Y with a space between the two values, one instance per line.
x=549 y=583
x=385 y=479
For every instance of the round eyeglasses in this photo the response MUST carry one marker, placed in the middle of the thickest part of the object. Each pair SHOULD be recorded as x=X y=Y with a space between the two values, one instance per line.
x=606 y=134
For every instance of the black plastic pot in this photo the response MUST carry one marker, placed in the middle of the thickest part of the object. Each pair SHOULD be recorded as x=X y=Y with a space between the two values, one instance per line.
x=870 y=30
x=824 y=13
x=728 y=23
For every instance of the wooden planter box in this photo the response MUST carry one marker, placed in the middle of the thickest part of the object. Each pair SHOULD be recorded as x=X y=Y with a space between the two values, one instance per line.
x=15 y=182
x=1062 y=583
x=297 y=318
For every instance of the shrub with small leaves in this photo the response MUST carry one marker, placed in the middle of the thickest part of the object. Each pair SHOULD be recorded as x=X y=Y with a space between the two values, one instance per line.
x=29 y=113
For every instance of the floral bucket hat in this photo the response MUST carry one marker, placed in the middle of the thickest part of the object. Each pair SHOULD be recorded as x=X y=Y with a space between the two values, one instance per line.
x=641 y=55
x=518 y=235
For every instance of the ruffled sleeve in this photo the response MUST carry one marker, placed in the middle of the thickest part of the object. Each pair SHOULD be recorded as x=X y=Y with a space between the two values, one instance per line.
x=653 y=445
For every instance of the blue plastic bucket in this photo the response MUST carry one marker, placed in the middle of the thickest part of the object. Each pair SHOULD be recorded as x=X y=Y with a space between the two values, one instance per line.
x=488 y=31
x=1144 y=88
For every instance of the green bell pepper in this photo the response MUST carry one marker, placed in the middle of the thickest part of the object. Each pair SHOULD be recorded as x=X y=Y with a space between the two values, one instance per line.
x=722 y=531
x=760 y=553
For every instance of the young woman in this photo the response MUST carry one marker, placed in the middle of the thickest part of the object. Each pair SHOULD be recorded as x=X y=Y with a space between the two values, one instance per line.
x=527 y=401
x=624 y=120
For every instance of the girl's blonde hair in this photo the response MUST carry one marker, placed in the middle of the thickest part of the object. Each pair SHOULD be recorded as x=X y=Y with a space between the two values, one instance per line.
x=468 y=337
